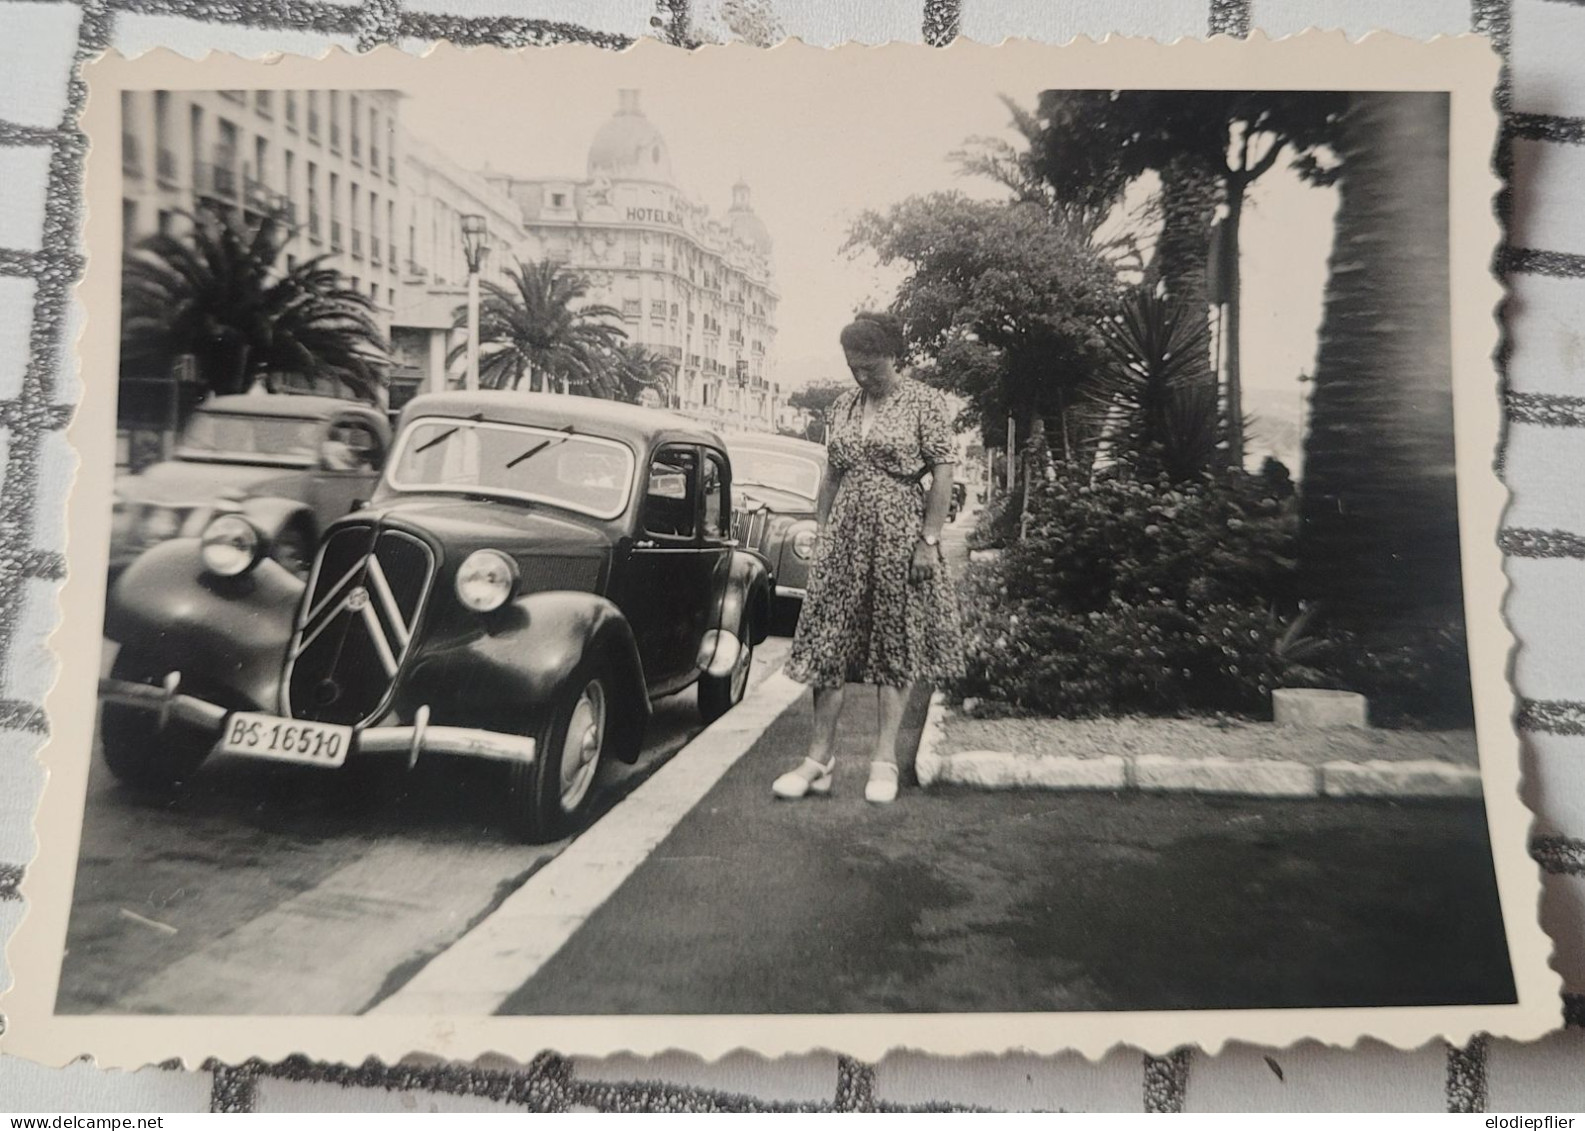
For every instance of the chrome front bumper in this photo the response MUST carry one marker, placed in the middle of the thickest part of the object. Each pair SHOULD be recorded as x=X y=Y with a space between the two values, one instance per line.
x=791 y=592
x=420 y=738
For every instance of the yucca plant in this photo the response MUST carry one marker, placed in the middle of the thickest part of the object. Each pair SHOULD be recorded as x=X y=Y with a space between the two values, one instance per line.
x=1155 y=402
x=220 y=293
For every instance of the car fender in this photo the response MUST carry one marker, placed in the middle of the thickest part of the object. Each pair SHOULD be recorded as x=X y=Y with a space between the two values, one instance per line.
x=747 y=589
x=507 y=675
x=232 y=633
x=273 y=513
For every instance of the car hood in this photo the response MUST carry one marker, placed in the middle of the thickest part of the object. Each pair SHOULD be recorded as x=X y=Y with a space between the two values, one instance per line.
x=193 y=482
x=752 y=496
x=461 y=526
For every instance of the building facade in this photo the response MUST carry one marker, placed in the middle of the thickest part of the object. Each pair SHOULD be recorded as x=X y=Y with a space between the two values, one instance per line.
x=327 y=161
x=437 y=193
x=696 y=287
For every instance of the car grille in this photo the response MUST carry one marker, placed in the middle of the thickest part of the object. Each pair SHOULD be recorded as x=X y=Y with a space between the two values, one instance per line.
x=365 y=597
x=750 y=527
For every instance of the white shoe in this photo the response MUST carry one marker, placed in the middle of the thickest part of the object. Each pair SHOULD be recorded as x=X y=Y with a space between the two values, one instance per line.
x=809 y=777
x=882 y=786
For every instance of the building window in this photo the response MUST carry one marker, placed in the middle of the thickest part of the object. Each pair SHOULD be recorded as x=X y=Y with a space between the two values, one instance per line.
x=631 y=308
x=290 y=98
x=374 y=141
x=313 y=202
x=129 y=222
x=558 y=200
x=356 y=127
x=167 y=222
x=335 y=212
x=131 y=152
x=313 y=114
x=264 y=103
x=657 y=310
x=335 y=120
x=352 y=219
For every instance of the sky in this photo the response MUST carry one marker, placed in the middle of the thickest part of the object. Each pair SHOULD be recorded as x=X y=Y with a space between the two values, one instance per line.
x=814 y=163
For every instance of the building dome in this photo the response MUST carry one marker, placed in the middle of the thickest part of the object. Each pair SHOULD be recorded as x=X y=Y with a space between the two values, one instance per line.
x=628 y=147
x=746 y=224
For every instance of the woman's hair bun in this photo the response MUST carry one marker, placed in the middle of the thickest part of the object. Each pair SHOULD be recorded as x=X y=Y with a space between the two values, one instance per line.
x=876 y=332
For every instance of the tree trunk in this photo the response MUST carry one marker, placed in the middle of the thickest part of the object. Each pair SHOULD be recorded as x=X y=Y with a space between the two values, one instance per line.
x=1379 y=540
x=1235 y=388
x=1189 y=196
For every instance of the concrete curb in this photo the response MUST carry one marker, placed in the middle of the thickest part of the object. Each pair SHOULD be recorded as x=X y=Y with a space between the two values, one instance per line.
x=1159 y=773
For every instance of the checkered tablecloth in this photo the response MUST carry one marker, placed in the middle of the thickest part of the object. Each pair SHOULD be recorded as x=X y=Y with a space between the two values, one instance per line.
x=1543 y=152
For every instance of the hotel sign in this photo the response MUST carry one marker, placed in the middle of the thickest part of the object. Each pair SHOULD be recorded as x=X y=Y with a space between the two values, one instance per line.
x=654 y=216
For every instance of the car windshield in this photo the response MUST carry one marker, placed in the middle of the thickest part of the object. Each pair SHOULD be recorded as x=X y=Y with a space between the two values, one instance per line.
x=782 y=471
x=248 y=438
x=588 y=474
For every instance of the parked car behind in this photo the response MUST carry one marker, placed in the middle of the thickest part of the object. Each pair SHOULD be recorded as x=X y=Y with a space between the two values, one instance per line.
x=530 y=573
x=778 y=480
x=291 y=463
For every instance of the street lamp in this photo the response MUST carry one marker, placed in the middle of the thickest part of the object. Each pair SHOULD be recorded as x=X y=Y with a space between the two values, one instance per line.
x=475 y=232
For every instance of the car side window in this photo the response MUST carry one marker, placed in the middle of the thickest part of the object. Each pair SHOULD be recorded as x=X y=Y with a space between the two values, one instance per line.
x=351 y=445
x=671 y=501
x=717 y=497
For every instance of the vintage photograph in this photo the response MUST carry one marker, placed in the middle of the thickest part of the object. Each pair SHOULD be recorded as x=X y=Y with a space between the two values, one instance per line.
x=903 y=534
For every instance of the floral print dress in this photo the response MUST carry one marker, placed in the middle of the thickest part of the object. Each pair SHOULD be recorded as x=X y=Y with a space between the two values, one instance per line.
x=863 y=620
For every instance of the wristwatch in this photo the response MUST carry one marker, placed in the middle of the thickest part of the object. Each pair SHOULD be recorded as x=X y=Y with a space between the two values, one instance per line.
x=931 y=540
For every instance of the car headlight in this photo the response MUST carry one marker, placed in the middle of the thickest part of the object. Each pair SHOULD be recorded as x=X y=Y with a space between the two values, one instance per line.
x=486 y=580
x=803 y=542
x=231 y=545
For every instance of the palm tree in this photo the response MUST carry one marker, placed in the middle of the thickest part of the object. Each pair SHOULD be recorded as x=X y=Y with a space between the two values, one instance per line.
x=1379 y=544
x=219 y=293
x=633 y=367
x=539 y=327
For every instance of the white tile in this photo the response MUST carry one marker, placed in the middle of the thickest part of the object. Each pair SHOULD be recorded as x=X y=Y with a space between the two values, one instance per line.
x=80 y=1087
x=294 y=1095
x=1546 y=320
x=24 y=171
x=135 y=34
x=1418 y=18
x=1563 y=917
x=990 y=21
x=828 y=24
x=624 y=17
x=16 y=324
x=1542 y=468
x=1544 y=1075
x=1546 y=44
x=1015 y=1082
x=1316 y=1078
x=1547 y=181
x=805 y=1079
x=1554 y=782
x=1548 y=662
x=29 y=664
x=36 y=55
x=21 y=779
x=57 y=464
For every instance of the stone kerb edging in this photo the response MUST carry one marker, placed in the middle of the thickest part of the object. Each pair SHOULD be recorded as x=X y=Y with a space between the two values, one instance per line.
x=1159 y=773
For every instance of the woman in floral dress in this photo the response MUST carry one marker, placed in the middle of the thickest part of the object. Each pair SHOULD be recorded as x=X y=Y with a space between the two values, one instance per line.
x=880 y=607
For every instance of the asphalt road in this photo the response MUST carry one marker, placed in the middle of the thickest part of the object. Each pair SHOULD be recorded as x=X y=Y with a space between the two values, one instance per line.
x=264 y=889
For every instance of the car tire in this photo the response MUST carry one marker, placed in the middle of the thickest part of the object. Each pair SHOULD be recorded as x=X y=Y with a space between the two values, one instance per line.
x=718 y=694
x=294 y=549
x=547 y=798
x=136 y=751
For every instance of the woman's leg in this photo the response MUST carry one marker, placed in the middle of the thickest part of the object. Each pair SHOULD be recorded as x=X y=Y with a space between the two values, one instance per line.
x=892 y=702
x=828 y=710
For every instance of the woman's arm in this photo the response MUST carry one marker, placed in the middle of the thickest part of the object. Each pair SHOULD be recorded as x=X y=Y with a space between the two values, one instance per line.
x=828 y=493
x=927 y=558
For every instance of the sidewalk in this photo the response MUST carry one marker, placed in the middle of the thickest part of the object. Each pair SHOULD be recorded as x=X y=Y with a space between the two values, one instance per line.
x=961 y=900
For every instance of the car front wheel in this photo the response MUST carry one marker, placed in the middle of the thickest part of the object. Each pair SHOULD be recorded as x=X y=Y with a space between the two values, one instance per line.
x=137 y=751
x=545 y=798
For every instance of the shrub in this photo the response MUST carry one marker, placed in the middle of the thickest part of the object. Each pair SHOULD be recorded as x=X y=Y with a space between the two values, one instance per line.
x=996 y=524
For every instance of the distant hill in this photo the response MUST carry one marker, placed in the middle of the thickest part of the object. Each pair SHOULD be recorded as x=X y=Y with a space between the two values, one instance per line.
x=1276 y=427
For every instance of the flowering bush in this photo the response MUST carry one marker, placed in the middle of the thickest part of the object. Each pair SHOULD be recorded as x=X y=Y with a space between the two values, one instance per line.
x=1134 y=594
x=996 y=523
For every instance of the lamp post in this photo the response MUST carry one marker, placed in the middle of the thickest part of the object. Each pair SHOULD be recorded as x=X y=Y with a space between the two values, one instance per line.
x=475 y=232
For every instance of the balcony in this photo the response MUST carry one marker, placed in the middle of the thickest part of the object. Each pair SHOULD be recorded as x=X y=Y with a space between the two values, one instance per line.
x=218 y=181
x=165 y=167
x=416 y=270
x=357 y=243
x=632 y=259
x=335 y=235
x=131 y=156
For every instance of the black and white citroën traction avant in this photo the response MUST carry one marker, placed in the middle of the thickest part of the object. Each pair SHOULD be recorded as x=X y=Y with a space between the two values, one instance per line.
x=530 y=573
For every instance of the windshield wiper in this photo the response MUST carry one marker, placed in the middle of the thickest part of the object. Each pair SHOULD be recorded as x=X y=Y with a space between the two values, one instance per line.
x=539 y=447
x=440 y=439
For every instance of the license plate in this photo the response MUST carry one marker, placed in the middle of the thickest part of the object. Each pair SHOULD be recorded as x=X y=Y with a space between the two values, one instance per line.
x=289 y=740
